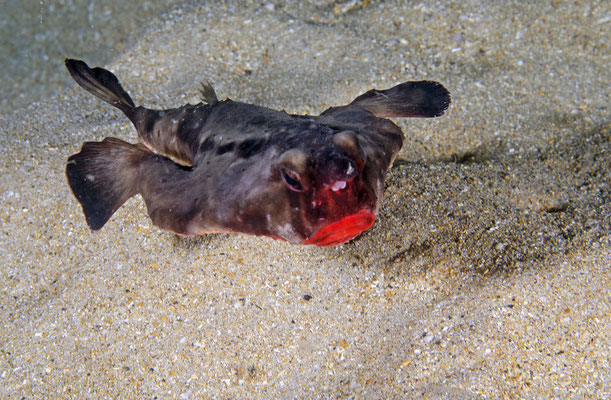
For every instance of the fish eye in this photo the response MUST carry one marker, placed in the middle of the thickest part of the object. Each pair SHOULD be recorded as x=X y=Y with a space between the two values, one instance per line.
x=292 y=180
x=349 y=142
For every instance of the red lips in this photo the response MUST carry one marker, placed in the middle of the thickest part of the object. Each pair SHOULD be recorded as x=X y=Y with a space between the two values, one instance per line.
x=343 y=230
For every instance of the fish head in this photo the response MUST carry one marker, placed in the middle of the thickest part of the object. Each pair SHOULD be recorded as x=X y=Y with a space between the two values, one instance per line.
x=330 y=192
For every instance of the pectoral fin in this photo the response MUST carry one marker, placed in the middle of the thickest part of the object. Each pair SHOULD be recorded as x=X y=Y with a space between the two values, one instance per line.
x=103 y=175
x=424 y=99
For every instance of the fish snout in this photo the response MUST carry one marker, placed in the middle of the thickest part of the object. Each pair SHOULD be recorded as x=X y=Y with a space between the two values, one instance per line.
x=346 y=207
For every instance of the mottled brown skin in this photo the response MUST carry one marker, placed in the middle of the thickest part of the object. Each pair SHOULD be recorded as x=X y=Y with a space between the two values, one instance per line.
x=245 y=168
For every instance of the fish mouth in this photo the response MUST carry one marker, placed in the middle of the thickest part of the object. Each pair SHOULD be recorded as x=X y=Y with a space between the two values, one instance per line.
x=343 y=230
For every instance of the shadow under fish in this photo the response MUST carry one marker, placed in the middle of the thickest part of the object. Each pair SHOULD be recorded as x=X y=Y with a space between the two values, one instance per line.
x=226 y=166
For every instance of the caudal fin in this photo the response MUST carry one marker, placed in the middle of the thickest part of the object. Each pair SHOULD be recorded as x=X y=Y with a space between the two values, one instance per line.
x=103 y=175
x=102 y=83
x=425 y=99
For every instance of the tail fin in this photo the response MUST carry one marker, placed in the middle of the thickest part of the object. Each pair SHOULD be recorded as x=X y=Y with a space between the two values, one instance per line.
x=102 y=83
x=103 y=176
x=425 y=99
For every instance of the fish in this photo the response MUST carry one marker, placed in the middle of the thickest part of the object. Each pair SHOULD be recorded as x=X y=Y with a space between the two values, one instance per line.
x=224 y=166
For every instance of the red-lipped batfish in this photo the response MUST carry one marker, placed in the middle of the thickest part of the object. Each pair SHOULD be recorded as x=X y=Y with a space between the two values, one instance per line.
x=227 y=166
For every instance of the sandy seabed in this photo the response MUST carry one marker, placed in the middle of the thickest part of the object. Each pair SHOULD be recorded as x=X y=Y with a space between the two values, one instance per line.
x=486 y=274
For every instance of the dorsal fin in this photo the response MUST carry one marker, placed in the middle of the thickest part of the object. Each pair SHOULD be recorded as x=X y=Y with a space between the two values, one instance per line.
x=208 y=93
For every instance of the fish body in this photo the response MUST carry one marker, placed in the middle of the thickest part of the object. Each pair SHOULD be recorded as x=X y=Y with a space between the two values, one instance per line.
x=227 y=166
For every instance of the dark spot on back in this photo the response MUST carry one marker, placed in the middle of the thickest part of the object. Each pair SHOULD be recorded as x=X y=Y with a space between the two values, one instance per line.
x=184 y=129
x=249 y=147
x=208 y=144
x=150 y=119
x=225 y=148
x=258 y=120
